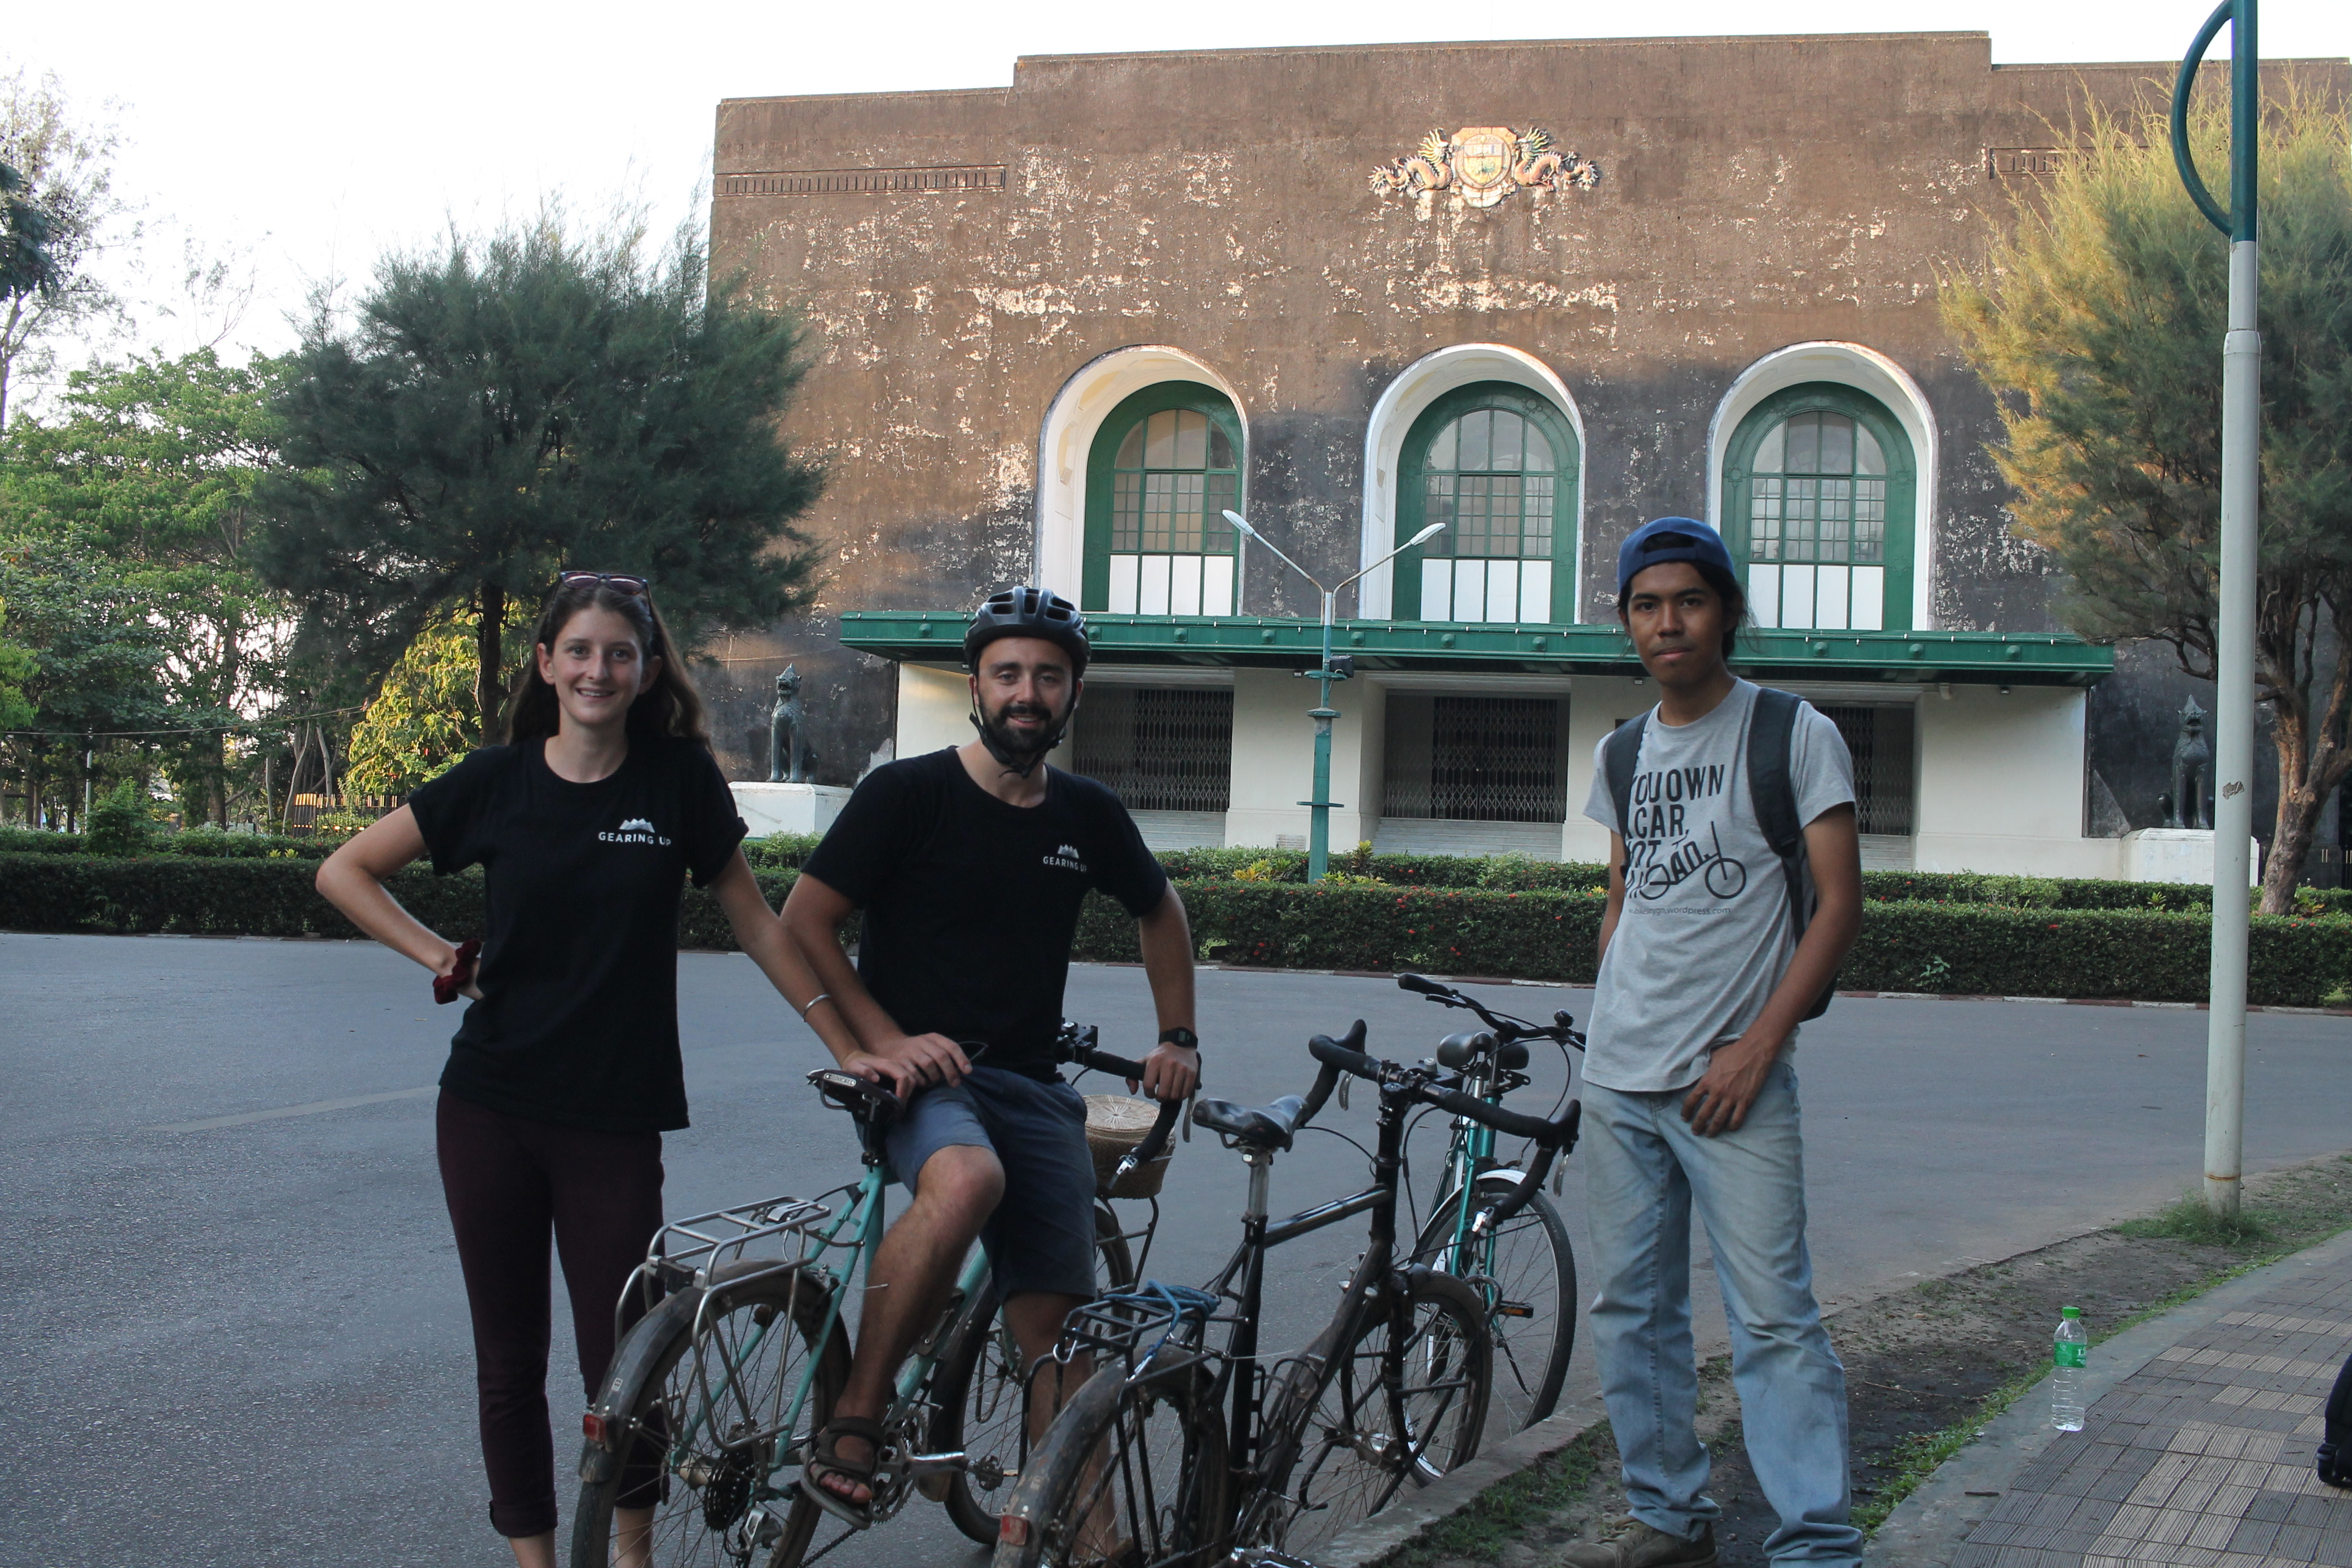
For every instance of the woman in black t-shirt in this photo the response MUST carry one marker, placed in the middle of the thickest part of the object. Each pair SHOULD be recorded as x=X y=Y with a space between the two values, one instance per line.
x=565 y=1071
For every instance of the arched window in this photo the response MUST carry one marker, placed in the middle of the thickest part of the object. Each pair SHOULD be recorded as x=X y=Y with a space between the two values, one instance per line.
x=1819 y=503
x=1498 y=464
x=1163 y=468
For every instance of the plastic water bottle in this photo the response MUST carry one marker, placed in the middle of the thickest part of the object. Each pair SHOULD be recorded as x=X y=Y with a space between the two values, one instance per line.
x=2066 y=1357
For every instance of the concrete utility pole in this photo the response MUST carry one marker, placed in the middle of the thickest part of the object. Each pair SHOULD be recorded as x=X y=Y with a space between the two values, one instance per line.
x=1319 y=832
x=2233 y=674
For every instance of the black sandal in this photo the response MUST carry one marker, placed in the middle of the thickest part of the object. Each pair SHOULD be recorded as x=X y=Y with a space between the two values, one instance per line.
x=826 y=1460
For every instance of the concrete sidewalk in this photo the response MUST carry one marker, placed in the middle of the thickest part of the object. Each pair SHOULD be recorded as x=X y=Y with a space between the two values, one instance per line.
x=2196 y=1451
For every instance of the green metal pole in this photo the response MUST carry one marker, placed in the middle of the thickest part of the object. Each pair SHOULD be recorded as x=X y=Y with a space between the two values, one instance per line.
x=1318 y=830
x=2234 y=674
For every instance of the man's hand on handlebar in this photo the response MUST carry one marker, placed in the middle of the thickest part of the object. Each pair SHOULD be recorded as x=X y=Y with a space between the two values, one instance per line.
x=910 y=1062
x=1170 y=1072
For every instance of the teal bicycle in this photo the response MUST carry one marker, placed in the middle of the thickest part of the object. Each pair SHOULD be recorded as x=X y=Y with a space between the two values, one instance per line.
x=1524 y=1269
x=717 y=1392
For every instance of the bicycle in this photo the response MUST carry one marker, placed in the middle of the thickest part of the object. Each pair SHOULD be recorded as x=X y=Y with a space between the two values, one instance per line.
x=716 y=1394
x=1146 y=1464
x=1525 y=1270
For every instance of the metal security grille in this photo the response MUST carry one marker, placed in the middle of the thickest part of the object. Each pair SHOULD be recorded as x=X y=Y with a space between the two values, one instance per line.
x=1474 y=759
x=1880 y=739
x=1159 y=749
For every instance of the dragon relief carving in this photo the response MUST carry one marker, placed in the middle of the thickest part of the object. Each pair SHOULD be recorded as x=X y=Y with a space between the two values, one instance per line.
x=1482 y=164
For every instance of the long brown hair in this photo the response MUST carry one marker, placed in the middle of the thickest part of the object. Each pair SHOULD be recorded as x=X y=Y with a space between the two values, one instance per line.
x=670 y=706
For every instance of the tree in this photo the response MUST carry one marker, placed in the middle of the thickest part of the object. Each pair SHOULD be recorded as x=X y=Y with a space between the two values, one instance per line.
x=424 y=717
x=66 y=167
x=2097 y=321
x=96 y=657
x=154 y=464
x=502 y=409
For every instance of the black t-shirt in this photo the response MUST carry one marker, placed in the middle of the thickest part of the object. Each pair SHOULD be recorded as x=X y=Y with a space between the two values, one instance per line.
x=971 y=903
x=578 y=1021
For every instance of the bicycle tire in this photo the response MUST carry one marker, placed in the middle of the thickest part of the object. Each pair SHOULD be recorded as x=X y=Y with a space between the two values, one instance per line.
x=980 y=1391
x=1360 y=1447
x=1153 y=1447
x=1532 y=1257
x=707 y=1511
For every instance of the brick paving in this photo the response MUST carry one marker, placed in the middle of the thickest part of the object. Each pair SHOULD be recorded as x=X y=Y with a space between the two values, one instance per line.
x=2201 y=1458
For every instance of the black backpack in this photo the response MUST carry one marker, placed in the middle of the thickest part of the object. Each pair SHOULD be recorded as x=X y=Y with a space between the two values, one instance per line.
x=1770 y=790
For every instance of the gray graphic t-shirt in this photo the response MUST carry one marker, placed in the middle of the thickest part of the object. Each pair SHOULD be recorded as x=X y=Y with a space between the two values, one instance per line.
x=1705 y=936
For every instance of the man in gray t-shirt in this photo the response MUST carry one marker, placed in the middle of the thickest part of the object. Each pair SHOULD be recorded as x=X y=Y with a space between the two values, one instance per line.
x=1690 y=1097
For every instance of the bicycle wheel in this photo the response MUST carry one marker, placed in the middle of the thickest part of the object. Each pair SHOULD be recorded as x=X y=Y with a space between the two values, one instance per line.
x=980 y=1408
x=1362 y=1445
x=1524 y=1275
x=699 y=1439
x=1132 y=1472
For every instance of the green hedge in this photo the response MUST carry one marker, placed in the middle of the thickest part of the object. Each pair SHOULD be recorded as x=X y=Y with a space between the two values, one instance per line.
x=205 y=843
x=1908 y=945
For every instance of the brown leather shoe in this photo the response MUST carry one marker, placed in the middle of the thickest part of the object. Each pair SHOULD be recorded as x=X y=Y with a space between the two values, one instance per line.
x=1630 y=1544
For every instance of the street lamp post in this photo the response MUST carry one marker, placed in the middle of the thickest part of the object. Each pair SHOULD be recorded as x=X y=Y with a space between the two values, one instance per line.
x=1319 y=832
x=2233 y=671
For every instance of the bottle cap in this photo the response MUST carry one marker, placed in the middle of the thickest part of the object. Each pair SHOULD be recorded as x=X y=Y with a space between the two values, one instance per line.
x=2071 y=1312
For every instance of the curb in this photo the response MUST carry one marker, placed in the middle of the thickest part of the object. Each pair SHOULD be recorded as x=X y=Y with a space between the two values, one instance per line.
x=1929 y=1527
x=1397 y=1524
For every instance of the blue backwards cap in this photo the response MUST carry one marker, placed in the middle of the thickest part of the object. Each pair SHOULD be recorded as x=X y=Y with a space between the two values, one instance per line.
x=1670 y=539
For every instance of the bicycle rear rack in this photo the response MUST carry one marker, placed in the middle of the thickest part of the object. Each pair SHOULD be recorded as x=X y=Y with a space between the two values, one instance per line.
x=691 y=1251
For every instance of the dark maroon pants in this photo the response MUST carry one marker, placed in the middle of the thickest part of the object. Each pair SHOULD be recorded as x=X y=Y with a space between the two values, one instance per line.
x=510 y=1181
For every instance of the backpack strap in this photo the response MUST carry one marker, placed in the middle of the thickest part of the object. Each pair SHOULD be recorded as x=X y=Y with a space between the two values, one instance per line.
x=1620 y=754
x=1772 y=792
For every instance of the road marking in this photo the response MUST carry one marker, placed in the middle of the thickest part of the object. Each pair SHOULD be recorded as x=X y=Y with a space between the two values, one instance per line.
x=312 y=1108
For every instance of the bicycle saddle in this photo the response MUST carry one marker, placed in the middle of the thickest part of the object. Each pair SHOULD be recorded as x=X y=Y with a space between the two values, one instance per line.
x=1261 y=1127
x=870 y=1104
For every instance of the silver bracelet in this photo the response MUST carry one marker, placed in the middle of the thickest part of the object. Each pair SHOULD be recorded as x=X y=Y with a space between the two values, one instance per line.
x=820 y=996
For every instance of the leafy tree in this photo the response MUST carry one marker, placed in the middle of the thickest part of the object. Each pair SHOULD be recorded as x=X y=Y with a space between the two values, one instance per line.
x=505 y=408
x=121 y=821
x=425 y=717
x=2098 y=321
x=16 y=669
x=154 y=463
x=96 y=656
x=66 y=163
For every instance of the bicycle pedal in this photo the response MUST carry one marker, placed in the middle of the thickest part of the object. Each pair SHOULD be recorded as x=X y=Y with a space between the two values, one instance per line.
x=1514 y=1310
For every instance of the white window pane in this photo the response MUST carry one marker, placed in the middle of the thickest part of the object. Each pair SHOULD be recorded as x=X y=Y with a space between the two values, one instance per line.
x=1502 y=590
x=1153 y=600
x=1535 y=592
x=1797 y=596
x=1470 y=592
x=1437 y=590
x=1217 y=586
x=1869 y=598
x=1122 y=583
x=1184 y=585
x=1764 y=594
x=1833 y=585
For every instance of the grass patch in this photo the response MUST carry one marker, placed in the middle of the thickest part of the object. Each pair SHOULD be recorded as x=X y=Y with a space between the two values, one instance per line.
x=2292 y=1210
x=1505 y=1512
x=2187 y=1218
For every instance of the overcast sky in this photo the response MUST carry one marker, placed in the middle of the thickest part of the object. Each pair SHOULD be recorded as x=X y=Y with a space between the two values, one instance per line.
x=312 y=137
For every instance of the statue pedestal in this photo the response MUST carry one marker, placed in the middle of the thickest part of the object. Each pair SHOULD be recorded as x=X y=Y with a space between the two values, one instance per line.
x=788 y=808
x=2176 y=855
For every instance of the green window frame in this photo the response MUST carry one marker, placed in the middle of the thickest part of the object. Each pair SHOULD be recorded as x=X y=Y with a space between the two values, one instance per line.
x=1501 y=506
x=1156 y=497
x=1817 y=517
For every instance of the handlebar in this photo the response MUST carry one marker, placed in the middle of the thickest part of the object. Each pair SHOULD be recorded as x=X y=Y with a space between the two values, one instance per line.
x=1507 y=1028
x=1077 y=1045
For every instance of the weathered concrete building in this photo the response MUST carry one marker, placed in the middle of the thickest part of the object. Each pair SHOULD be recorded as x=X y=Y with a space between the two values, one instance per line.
x=1537 y=291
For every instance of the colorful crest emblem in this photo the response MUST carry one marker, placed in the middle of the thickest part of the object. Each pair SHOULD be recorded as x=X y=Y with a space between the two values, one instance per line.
x=1484 y=163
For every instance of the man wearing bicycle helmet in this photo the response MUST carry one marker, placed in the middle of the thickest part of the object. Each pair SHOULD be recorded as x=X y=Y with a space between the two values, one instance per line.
x=970 y=865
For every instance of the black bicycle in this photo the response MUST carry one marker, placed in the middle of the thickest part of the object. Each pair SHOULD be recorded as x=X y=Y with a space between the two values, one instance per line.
x=1178 y=1449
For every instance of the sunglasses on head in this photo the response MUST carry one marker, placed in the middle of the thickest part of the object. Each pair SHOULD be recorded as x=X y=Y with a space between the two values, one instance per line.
x=618 y=582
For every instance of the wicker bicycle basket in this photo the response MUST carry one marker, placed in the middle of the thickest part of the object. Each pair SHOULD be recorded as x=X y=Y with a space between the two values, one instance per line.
x=1115 y=1125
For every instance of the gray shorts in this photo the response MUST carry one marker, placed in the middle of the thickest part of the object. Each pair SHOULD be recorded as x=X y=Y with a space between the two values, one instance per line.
x=1042 y=1236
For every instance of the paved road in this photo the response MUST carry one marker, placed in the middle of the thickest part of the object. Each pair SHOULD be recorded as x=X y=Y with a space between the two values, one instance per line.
x=244 y=1343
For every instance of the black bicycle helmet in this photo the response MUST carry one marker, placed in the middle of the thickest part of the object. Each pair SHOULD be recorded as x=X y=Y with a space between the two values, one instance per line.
x=1029 y=612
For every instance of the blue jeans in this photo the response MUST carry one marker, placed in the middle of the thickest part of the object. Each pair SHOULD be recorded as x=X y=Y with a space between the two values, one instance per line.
x=1644 y=1167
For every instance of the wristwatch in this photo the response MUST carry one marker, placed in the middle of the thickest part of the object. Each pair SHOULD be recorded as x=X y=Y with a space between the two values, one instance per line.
x=1181 y=1037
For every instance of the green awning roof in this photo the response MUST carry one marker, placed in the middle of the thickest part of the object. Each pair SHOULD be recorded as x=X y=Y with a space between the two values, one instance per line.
x=2023 y=659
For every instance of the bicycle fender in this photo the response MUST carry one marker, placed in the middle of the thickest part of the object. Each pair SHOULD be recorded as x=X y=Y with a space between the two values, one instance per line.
x=1051 y=1463
x=632 y=1359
